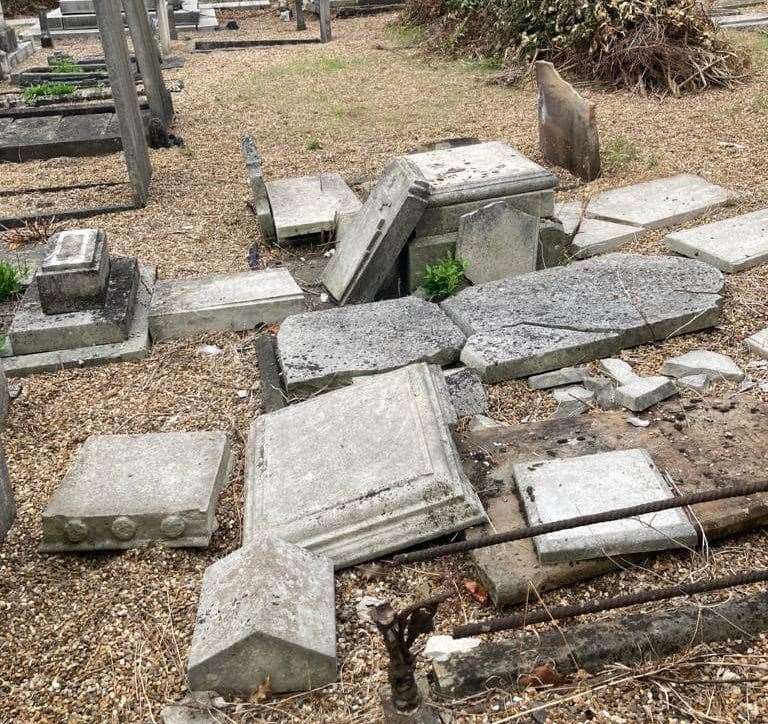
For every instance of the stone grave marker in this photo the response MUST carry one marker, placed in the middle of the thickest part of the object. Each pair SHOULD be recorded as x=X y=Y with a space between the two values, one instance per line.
x=327 y=348
x=223 y=303
x=360 y=472
x=567 y=125
x=124 y=491
x=553 y=490
x=7 y=505
x=564 y=316
x=266 y=614
x=497 y=241
x=731 y=245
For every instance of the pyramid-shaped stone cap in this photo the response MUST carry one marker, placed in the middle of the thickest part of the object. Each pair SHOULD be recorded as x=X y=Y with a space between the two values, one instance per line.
x=266 y=611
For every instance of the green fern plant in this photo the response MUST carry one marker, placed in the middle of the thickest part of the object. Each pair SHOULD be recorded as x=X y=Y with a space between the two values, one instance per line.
x=444 y=278
x=10 y=280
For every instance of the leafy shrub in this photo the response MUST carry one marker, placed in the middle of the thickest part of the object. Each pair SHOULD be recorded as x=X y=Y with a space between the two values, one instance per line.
x=443 y=279
x=646 y=45
x=10 y=278
x=43 y=90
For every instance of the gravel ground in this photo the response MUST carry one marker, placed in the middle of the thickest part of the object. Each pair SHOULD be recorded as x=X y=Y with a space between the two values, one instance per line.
x=104 y=638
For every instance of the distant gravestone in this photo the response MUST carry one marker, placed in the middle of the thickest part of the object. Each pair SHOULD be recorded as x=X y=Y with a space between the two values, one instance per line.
x=497 y=241
x=567 y=125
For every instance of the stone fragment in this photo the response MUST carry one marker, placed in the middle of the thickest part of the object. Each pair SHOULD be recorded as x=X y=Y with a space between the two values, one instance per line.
x=731 y=245
x=426 y=251
x=124 y=491
x=558 y=378
x=194 y=708
x=758 y=342
x=658 y=203
x=359 y=472
x=638 y=421
x=573 y=392
x=7 y=504
x=223 y=303
x=559 y=489
x=497 y=241
x=569 y=408
x=567 y=125
x=563 y=316
x=596 y=236
x=644 y=392
x=368 y=249
x=266 y=613
x=699 y=383
x=309 y=204
x=331 y=346
x=604 y=391
x=571 y=216
x=715 y=365
x=466 y=392
x=620 y=370
x=479 y=423
x=441 y=648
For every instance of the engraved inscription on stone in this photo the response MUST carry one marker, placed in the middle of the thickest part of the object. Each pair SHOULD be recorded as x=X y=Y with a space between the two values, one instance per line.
x=72 y=250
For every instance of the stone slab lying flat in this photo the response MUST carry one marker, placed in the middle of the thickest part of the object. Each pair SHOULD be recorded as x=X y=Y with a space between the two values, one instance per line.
x=554 y=490
x=567 y=315
x=7 y=505
x=368 y=248
x=266 y=614
x=331 y=346
x=758 y=342
x=742 y=22
x=359 y=472
x=124 y=491
x=596 y=236
x=135 y=347
x=309 y=204
x=703 y=361
x=658 y=203
x=33 y=331
x=223 y=303
x=558 y=378
x=731 y=245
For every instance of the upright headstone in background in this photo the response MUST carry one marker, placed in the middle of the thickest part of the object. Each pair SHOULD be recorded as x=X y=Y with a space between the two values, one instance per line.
x=147 y=56
x=121 y=81
x=567 y=125
x=46 y=41
x=325 y=21
x=163 y=27
x=172 y=23
x=301 y=23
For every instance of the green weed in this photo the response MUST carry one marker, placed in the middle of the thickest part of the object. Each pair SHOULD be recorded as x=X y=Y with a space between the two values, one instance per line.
x=443 y=279
x=66 y=65
x=405 y=36
x=619 y=153
x=42 y=90
x=10 y=280
x=313 y=144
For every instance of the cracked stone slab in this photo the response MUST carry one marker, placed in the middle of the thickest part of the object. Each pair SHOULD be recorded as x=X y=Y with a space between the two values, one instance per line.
x=558 y=378
x=359 y=472
x=223 y=303
x=552 y=490
x=124 y=491
x=568 y=315
x=266 y=614
x=731 y=245
x=593 y=236
x=659 y=203
x=466 y=392
x=715 y=365
x=758 y=342
x=331 y=346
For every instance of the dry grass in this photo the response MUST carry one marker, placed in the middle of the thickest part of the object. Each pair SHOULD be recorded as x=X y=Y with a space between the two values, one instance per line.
x=104 y=638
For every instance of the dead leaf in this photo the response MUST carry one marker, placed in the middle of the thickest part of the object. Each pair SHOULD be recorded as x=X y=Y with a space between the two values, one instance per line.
x=371 y=571
x=476 y=591
x=262 y=692
x=544 y=675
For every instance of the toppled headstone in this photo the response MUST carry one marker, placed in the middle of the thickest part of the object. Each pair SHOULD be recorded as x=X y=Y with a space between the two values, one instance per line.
x=223 y=303
x=563 y=316
x=558 y=378
x=559 y=489
x=497 y=241
x=359 y=472
x=124 y=491
x=466 y=392
x=702 y=361
x=331 y=346
x=758 y=342
x=7 y=505
x=368 y=248
x=634 y=392
x=658 y=203
x=731 y=245
x=266 y=614
x=567 y=125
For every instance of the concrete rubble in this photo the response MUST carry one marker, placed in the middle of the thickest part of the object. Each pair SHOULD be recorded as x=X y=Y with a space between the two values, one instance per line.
x=758 y=343
x=634 y=392
x=714 y=365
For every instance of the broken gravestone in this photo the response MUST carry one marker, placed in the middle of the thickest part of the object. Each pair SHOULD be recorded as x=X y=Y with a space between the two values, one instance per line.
x=362 y=471
x=266 y=614
x=125 y=491
x=590 y=237
x=554 y=490
x=715 y=365
x=497 y=241
x=567 y=125
x=331 y=346
x=567 y=315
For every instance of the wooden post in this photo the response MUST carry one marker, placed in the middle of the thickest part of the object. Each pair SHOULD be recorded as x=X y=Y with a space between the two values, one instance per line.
x=325 y=21
x=301 y=23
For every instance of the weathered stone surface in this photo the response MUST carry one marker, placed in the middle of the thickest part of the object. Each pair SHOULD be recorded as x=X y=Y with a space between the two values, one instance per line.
x=604 y=391
x=567 y=125
x=73 y=274
x=497 y=241
x=329 y=347
x=7 y=505
x=731 y=245
x=309 y=204
x=266 y=613
x=223 y=303
x=700 y=383
x=124 y=491
x=466 y=392
x=634 y=392
x=573 y=392
x=746 y=21
x=136 y=346
x=483 y=422
x=703 y=361
x=569 y=408
x=33 y=331
x=589 y=309
x=558 y=378
x=368 y=249
x=554 y=244
x=658 y=203
x=758 y=342
x=359 y=472
x=259 y=195
x=596 y=236
x=425 y=251
x=553 y=490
